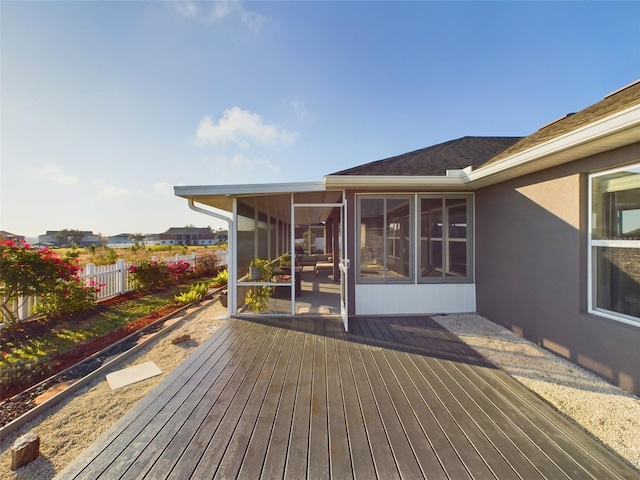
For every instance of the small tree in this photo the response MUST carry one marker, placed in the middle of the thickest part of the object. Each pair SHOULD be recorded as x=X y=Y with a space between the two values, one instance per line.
x=26 y=272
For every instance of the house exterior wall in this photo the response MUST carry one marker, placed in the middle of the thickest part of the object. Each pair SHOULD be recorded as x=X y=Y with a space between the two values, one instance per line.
x=531 y=267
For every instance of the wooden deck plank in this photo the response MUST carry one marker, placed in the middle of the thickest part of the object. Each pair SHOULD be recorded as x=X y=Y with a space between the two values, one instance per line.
x=161 y=451
x=185 y=457
x=436 y=433
x=237 y=447
x=502 y=435
x=318 y=455
x=300 y=398
x=359 y=446
x=549 y=429
x=275 y=459
x=234 y=401
x=164 y=399
x=564 y=437
x=460 y=434
x=524 y=454
x=381 y=451
x=394 y=381
x=339 y=455
x=298 y=445
x=254 y=458
x=403 y=451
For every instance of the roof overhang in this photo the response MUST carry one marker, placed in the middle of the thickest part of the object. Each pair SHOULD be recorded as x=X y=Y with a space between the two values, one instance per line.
x=273 y=198
x=614 y=131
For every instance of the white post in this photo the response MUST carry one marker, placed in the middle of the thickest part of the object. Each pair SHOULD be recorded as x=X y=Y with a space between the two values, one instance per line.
x=177 y=257
x=89 y=271
x=121 y=277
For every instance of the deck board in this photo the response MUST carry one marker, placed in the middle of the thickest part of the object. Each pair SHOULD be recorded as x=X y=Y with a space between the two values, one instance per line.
x=396 y=397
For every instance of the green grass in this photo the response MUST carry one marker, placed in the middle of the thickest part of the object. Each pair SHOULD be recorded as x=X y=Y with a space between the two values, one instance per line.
x=33 y=353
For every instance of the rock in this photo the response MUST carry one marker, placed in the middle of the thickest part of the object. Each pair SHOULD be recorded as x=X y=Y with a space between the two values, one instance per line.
x=181 y=338
x=25 y=450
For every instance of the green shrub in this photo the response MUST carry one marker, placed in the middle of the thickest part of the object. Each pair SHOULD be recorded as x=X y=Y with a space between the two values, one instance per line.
x=195 y=293
x=221 y=279
x=69 y=297
x=150 y=275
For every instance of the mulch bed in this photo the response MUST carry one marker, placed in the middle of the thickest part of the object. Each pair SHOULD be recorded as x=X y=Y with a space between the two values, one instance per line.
x=17 y=401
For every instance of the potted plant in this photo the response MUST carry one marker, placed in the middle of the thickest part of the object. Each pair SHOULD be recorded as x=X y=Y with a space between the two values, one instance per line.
x=284 y=262
x=221 y=280
x=257 y=297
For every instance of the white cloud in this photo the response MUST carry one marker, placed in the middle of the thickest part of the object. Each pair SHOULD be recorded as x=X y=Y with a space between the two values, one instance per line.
x=217 y=11
x=112 y=192
x=57 y=175
x=239 y=126
x=163 y=189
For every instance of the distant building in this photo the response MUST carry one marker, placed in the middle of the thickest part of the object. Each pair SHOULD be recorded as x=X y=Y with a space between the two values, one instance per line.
x=222 y=236
x=11 y=236
x=122 y=239
x=188 y=236
x=53 y=238
x=152 y=239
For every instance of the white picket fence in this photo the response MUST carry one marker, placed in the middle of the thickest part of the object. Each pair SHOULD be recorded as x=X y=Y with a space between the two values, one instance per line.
x=114 y=280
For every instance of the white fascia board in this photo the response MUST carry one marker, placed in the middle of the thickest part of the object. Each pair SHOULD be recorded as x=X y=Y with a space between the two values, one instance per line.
x=387 y=181
x=248 y=189
x=620 y=122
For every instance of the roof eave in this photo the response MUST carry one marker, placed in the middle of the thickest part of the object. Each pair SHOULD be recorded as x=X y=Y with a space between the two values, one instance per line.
x=393 y=181
x=614 y=131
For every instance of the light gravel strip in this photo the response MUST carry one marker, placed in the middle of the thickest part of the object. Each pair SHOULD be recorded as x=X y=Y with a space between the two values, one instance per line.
x=607 y=412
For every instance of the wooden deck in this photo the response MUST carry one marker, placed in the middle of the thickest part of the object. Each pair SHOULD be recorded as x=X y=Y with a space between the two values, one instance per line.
x=299 y=398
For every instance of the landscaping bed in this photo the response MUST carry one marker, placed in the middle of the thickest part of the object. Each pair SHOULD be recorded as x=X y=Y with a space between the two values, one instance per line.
x=81 y=360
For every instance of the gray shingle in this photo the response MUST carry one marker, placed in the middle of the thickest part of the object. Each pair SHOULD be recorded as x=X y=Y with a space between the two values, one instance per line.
x=437 y=159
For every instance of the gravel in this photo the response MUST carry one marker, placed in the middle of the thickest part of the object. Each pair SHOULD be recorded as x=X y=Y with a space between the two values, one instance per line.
x=608 y=413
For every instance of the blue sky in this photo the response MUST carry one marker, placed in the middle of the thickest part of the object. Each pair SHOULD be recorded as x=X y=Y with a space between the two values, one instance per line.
x=105 y=106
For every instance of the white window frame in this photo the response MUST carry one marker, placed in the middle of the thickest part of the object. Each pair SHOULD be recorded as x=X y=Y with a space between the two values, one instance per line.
x=594 y=244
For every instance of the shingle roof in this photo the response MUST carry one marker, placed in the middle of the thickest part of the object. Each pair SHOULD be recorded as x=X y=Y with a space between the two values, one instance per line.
x=437 y=159
x=615 y=102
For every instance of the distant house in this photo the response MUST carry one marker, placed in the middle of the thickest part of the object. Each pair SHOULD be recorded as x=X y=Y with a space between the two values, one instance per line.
x=11 y=236
x=222 y=236
x=52 y=237
x=539 y=234
x=188 y=236
x=152 y=239
x=120 y=239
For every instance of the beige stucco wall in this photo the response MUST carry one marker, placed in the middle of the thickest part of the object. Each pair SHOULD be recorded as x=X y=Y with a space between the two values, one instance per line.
x=531 y=267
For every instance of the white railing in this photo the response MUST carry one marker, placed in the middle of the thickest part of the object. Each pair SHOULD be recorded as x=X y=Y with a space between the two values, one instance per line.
x=114 y=280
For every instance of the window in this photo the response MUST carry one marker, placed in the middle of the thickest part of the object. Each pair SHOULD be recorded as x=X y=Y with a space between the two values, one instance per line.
x=445 y=239
x=398 y=244
x=385 y=239
x=614 y=244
